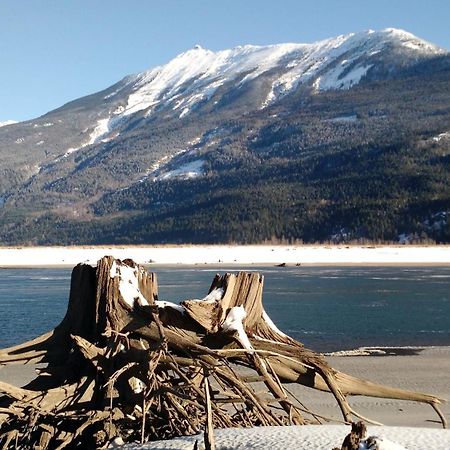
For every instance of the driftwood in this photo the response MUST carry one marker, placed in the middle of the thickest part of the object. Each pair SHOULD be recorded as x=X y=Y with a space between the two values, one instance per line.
x=124 y=365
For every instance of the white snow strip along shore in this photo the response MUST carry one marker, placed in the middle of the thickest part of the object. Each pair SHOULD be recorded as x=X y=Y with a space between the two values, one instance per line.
x=306 y=437
x=226 y=254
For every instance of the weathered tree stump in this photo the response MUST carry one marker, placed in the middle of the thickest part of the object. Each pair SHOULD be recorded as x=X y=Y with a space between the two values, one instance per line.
x=123 y=364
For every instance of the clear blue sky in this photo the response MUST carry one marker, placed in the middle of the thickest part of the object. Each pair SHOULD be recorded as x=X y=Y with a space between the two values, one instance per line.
x=53 y=51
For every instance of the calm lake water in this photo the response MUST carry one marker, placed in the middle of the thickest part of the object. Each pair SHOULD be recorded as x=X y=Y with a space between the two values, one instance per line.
x=326 y=308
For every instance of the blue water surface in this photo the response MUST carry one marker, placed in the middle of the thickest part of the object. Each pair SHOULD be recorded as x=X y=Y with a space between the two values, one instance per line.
x=326 y=308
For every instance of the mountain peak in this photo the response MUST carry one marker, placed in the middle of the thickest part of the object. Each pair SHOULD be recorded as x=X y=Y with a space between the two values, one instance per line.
x=411 y=41
x=399 y=32
x=334 y=63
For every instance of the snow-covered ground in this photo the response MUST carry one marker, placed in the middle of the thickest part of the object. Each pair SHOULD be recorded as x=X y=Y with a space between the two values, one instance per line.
x=227 y=254
x=308 y=437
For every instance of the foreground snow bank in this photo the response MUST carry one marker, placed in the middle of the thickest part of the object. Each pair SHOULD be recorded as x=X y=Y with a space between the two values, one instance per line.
x=307 y=437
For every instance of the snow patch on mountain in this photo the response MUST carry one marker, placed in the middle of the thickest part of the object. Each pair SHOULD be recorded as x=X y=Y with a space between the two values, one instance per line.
x=336 y=80
x=45 y=125
x=204 y=94
x=156 y=171
x=313 y=58
x=184 y=113
x=156 y=167
x=435 y=223
x=106 y=97
x=69 y=151
x=8 y=122
x=166 y=167
x=441 y=136
x=343 y=119
x=192 y=169
x=100 y=130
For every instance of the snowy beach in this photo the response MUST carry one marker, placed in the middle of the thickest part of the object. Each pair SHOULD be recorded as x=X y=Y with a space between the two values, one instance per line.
x=307 y=437
x=226 y=254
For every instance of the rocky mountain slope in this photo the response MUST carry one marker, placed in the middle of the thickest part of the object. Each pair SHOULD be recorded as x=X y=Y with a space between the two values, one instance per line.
x=342 y=139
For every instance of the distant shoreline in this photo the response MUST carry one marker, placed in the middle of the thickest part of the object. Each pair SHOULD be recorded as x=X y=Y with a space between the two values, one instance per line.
x=228 y=255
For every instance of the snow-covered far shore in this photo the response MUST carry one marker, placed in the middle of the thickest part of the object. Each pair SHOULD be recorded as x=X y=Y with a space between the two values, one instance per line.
x=227 y=254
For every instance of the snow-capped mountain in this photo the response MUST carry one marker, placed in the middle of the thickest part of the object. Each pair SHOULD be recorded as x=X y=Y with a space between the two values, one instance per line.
x=337 y=63
x=206 y=113
x=195 y=76
x=200 y=77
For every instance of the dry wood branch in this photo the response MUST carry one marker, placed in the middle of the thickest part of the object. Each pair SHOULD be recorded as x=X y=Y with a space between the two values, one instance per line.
x=208 y=433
